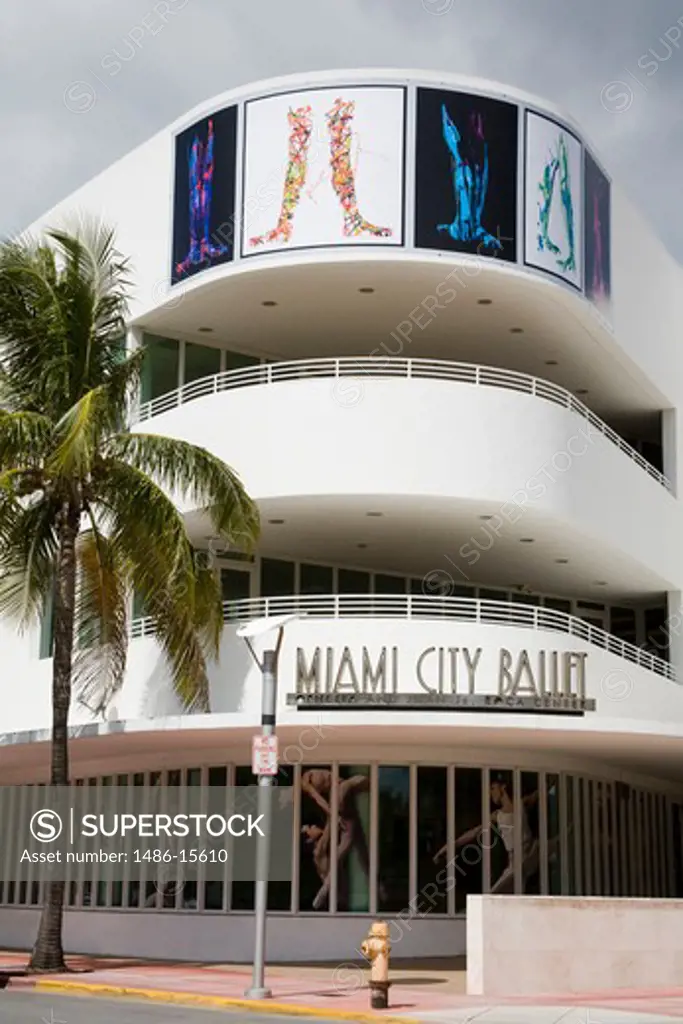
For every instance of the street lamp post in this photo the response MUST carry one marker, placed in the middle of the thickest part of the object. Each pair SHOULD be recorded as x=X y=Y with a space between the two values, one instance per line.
x=268 y=668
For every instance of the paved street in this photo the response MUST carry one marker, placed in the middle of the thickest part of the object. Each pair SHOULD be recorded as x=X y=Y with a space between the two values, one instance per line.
x=34 y=1008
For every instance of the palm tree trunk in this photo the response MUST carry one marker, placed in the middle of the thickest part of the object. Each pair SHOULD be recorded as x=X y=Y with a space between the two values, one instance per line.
x=48 y=952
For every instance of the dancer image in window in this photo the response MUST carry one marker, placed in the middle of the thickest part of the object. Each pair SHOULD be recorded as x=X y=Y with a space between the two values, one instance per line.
x=503 y=820
x=317 y=784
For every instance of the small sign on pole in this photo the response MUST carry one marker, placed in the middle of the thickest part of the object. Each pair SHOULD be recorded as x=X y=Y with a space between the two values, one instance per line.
x=264 y=752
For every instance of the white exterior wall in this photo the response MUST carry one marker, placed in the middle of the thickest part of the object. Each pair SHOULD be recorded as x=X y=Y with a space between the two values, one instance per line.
x=526 y=945
x=394 y=441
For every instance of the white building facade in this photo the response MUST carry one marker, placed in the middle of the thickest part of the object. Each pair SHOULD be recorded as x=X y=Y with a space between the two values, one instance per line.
x=442 y=351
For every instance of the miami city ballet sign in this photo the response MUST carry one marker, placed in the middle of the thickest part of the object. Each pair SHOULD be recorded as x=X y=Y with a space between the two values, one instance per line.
x=442 y=679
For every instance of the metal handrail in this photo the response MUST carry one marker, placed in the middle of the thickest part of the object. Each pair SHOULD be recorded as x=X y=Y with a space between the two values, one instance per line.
x=417 y=606
x=368 y=366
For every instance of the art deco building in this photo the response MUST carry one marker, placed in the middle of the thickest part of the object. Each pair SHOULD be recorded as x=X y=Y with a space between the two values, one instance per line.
x=442 y=350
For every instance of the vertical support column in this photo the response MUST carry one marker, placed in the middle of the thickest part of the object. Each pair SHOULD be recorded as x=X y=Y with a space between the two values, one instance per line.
x=670 y=447
x=374 y=836
x=450 y=839
x=543 y=829
x=485 y=838
x=674 y=630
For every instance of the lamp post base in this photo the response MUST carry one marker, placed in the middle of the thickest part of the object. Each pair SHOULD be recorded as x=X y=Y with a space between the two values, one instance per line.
x=258 y=993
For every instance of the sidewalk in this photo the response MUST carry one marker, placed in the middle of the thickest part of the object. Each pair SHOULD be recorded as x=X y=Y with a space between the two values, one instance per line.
x=421 y=991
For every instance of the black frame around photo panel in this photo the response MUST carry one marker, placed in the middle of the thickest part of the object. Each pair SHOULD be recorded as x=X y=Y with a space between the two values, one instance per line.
x=466 y=187
x=204 y=194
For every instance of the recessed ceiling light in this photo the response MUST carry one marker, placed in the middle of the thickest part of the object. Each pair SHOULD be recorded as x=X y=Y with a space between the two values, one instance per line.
x=526 y=540
x=551 y=362
x=362 y=545
x=582 y=391
x=484 y=302
x=374 y=515
x=516 y=330
x=269 y=302
x=562 y=561
x=366 y=291
x=276 y=522
x=205 y=330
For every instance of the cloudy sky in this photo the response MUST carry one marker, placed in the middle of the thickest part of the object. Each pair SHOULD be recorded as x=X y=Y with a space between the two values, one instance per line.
x=86 y=82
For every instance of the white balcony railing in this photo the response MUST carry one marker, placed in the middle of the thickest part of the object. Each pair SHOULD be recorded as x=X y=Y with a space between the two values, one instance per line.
x=416 y=606
x=430 y=369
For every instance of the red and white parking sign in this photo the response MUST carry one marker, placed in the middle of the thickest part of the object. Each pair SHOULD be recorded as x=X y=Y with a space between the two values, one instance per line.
x=264 y=751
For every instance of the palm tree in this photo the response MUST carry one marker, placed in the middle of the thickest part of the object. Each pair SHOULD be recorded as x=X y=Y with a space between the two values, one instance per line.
x=88 y=509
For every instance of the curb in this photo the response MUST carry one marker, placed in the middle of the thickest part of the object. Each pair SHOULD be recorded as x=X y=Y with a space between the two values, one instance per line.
x=217 y=1002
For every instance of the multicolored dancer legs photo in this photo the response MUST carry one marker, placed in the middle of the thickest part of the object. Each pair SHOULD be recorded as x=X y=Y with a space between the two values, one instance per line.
x=339 y=120
x=201 y=184
x=300 y=128
x=558 y=163
x=470 y=168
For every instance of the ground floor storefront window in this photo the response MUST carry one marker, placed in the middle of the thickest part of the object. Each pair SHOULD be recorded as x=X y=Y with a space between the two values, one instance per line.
x=397 y=839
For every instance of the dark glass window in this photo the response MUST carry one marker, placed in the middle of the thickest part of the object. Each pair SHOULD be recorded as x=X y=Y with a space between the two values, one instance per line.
x=351 y=581
x=432 y=837
x=622 y=623
x=315 y=863
x=201 y=361
x=353 y=846
x=160 y=367
x=316 y=579
x=213 y=889
x=237 y=361
x=656 y=635
x=384 y=584
x=393 y=884
x=235 y=585
x=553 y=799
x=277 y=578
x=558 y=604
x=468 y=835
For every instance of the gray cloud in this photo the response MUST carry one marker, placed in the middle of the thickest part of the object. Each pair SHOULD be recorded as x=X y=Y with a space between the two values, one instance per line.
x=85 y=83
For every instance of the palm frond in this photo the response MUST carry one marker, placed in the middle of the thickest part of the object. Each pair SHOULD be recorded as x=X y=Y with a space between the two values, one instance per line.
x=102 y=621
x=24 y=439
x=190 y=472
x=28 y=552
x=150 y=537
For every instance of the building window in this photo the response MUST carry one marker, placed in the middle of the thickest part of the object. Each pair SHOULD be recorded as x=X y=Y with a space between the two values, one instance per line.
x=469 y=826
x=277 y=578
x=315 y=853
x=384 y=584
x=200 y=361
x=352 y=581
x=432 y=838
x=160 y=368
x=353 y=842
x=393 y=881
x=316 y=579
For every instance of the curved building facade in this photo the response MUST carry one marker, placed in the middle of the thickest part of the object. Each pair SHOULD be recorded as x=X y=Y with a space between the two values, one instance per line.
x=442 y=351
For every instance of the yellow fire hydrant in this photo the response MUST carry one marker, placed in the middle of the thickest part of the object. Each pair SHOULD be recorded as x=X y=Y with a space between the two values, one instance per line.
x=376 y=948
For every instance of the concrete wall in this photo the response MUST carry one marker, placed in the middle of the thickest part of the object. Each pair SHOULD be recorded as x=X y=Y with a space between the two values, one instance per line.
x=522 y=945
x=230 y=937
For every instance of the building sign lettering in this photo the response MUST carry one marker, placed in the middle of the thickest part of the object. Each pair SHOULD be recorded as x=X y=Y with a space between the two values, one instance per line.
x=441 y=678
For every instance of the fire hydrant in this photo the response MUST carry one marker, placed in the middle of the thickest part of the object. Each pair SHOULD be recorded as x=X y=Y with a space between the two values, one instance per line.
x=376 y=949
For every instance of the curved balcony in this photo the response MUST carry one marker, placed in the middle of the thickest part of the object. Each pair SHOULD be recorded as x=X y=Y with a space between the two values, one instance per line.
x=410 y=607
x=374 y=368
